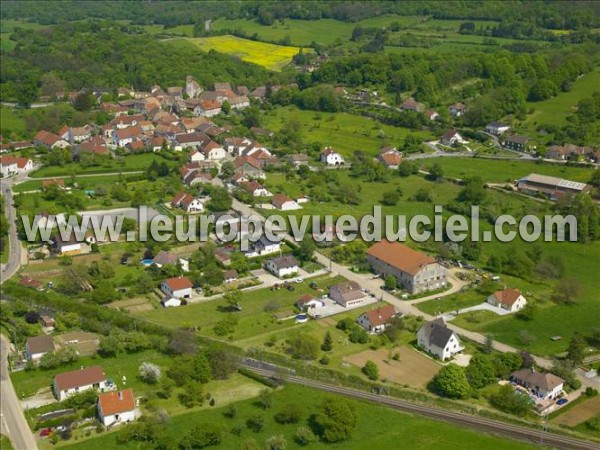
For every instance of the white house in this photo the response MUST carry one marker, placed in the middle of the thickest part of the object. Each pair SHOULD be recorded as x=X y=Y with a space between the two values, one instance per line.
x=255 y=188
x=38 y=346
x=307 y=301
x=543 y=385
x=451 y=137
x=377 y=320
x=10 y=165
x=213 y=151
x=438 y=339
x=497 y=128
x=332 y=158
x=458 y=109
x=170 y=302
x=509 y=299
x=65 y=247
x=76 y=381
x=196 y=155
x=265 y=246
x=180 y=287
x=282 y=266
x=116 y=407
x=78 y=134
x=284 y=203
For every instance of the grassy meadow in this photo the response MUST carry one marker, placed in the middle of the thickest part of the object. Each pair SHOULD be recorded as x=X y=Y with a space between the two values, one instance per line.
x=377 y=427
x=271 y=56
x=498 y=171
x=555 y=110
x=342 y=131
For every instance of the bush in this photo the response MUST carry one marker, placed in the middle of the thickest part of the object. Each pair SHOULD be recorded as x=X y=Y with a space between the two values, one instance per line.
x=256 y=423
x=371 y=370
x=150 y=373
x=304 y=436
x=289 y=413
x=335 y=420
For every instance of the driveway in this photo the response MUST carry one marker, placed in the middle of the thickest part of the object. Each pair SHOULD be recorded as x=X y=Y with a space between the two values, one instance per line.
x=481 y=307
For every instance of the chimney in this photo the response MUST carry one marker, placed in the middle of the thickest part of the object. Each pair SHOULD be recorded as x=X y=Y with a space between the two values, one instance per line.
x=120 y=394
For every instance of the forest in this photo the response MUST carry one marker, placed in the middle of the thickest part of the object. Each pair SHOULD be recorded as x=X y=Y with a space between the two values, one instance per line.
x=571 y=15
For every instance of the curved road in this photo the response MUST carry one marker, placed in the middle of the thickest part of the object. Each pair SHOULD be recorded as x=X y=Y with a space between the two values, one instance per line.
x=13 y=423
x=538 y=437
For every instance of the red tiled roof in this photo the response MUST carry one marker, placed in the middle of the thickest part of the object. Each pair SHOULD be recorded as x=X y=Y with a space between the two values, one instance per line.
x=381 y=316
x=400 y=256
x=507 y=296
x=116 y=402
x=279 y=199
x=178 y=283
x=239 y=162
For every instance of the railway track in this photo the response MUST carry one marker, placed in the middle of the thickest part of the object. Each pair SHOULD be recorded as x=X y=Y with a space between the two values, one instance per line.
x=538 y=437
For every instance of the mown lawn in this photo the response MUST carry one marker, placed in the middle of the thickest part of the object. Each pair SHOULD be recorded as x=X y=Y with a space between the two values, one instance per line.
x=28 y=382
x=253 y=320
x=271 y=56
x=342 y=131
x=377 y=427
x=497 y=171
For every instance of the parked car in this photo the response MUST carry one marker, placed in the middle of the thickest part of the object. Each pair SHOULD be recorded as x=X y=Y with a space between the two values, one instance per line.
x=562 y=401
x=299 y=280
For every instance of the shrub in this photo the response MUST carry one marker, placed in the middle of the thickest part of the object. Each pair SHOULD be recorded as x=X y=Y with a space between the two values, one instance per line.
x=289 y=413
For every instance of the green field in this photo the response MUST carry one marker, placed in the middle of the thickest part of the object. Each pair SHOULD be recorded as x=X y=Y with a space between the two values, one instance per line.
x=582 y=262
x=28 y=382
x=271 y=56
x=11 y=120
x=129 y=163
x=377 y=427
x=328 y=31
x=252 y=320
x=497 y=171
x=555 y=110
x=342 y=131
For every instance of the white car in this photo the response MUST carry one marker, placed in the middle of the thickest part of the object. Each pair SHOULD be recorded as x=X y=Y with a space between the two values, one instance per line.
x=299 y=280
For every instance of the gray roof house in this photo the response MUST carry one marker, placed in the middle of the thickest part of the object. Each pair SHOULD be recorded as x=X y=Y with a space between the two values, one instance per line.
x=438 y=339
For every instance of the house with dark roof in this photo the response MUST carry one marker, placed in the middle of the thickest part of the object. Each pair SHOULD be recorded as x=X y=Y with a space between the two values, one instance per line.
x=497 y=128
x=414 y=271
x=510 y=300
x=165 y=257
x=543 y=385
x=377 y=320
x=68 y=383
x=347 y=294
x=38 y=346
x=116 y=407
x=439 y=340
x=452 y=137
x=282 y=266
x=518 y=143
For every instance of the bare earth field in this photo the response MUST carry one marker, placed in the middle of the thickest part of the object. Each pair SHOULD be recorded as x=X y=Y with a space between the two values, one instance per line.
x=413 y=369
x=582 y=412
x=133 y=305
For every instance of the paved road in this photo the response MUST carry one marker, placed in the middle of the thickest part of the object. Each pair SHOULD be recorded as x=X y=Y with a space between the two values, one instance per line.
x=13 y=422
x=374 y=284
x=507 y=430
x=16 y=251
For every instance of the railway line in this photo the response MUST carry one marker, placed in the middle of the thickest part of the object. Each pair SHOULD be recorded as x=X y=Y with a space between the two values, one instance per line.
x=538 y=437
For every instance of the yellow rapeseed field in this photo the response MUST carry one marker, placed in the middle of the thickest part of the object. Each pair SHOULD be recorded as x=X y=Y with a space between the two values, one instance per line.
x=271 y=56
